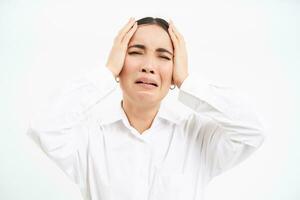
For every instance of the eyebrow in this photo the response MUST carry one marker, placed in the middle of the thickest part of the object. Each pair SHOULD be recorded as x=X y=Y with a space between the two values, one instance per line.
x=140 y=46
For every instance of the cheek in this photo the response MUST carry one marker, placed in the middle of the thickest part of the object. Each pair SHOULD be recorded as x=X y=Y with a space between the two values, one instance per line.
x=129 y=68
x=167 y=72
x=130 y=64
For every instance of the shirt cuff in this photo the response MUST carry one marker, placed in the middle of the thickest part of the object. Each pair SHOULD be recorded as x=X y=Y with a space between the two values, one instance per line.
x=194 y=89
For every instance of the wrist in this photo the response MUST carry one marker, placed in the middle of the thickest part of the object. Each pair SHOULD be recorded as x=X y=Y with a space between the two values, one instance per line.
x=180 y=81
x=114 y=73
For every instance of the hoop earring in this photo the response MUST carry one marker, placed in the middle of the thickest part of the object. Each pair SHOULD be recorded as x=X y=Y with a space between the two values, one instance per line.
x=172 y=87
x=117 y=78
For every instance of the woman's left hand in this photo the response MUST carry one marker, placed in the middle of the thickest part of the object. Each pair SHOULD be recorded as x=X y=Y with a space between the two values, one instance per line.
x=180 y=60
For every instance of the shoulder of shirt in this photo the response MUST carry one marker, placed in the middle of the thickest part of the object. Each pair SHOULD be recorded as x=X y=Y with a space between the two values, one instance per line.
x=181 y=115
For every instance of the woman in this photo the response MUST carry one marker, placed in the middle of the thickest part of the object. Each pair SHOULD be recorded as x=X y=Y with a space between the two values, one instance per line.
x=136 y=147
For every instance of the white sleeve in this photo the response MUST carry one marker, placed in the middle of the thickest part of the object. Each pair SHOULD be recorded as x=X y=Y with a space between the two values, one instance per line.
x=233 y=131
x=59 y=129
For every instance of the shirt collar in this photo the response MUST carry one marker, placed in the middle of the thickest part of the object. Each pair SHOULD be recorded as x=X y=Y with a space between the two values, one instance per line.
x=113 y=113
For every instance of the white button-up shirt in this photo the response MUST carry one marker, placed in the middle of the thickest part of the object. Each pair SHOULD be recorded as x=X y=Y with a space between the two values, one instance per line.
x=88 y=135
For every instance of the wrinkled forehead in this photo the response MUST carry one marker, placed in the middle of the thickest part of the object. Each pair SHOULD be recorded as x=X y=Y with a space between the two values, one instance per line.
x=152 y=36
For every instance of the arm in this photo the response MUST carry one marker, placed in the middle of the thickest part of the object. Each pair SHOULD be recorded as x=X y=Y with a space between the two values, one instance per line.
x=233 y=132
x=59 y=128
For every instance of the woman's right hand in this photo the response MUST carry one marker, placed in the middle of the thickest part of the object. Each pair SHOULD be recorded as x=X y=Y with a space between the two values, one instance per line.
x=117 y=54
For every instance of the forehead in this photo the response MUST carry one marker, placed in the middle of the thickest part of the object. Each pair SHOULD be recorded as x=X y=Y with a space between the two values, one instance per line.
x=152 y=36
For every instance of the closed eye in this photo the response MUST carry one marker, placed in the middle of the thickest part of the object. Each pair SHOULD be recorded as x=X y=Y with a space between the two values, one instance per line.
x=134 y=52
x=165 y=57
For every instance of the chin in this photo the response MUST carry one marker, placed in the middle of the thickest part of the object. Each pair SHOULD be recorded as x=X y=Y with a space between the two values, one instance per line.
x=145 y=97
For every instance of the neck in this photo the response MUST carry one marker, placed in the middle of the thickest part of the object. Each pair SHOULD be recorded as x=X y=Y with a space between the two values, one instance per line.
x=139 y=116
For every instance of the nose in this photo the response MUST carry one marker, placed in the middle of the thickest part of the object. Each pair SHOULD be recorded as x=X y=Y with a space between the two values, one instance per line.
x=147 y=70
x=148 y=66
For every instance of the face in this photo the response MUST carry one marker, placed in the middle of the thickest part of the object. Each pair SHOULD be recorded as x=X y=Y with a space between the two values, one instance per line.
x=147 y=72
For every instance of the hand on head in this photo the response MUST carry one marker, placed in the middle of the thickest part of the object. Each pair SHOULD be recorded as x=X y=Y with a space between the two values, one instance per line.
x=118 y=52
x=180 y=68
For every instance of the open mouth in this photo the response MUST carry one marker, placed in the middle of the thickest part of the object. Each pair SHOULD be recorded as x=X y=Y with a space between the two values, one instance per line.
x=147 y=83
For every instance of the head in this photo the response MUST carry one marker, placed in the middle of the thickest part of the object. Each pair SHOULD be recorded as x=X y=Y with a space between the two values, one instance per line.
x=146 y=76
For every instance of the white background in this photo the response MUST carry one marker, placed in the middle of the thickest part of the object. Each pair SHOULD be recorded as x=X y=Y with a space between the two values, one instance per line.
x=251 y=45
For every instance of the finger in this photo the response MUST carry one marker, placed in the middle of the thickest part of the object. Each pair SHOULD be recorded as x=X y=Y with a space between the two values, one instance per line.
x=177 y=33
x=171 y=25
x=125 y=29
x=173 y=37
x=173 y=33
x=130 y=33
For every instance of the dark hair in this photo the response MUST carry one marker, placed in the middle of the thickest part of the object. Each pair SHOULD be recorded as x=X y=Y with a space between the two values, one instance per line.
x=158 y=21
